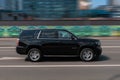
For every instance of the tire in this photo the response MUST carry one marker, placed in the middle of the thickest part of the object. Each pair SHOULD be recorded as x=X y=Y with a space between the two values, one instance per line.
x=34 y=55
x=87 y=54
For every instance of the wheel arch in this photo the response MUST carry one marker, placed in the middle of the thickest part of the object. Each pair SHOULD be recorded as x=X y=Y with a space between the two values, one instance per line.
x=87 y=47
x=96 y=56
x=91 y=47
x=33 y=46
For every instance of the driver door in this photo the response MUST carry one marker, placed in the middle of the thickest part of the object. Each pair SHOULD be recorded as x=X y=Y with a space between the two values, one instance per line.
x=67 y=44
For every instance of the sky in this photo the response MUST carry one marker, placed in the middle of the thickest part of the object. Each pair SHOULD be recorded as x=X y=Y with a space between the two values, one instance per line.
x=96 y=3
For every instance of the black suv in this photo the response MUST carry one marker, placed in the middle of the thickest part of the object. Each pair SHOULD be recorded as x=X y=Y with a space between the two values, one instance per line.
x=38 y=43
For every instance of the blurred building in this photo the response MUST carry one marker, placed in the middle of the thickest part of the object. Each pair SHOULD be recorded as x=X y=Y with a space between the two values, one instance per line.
x=1 y=4
x=11 y=4
x=12 y=15
x=114 y=2
x=113 y=6
x=50 y=8
x=83 y=4
x=55 y=8
x=18 y=4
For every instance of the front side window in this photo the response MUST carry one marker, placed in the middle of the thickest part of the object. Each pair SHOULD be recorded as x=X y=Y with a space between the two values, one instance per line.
x=48 y=34
x=64 y=35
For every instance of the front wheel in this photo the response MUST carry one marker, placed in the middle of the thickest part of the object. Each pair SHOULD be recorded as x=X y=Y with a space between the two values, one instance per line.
x=34 y=55
x=87 y=54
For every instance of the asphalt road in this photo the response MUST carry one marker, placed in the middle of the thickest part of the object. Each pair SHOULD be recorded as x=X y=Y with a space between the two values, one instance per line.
x=14 y=66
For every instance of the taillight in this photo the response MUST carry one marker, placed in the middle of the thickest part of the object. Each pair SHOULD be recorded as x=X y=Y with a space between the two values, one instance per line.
x=17 y=42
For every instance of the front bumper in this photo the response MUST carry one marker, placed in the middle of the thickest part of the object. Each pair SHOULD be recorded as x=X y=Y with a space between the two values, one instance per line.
x=98 y=50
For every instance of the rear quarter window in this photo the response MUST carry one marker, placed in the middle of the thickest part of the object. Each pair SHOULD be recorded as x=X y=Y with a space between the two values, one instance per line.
x=48 y=34
x=27 y=34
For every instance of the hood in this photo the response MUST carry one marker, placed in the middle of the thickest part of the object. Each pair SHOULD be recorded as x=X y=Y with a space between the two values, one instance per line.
x=88 y=39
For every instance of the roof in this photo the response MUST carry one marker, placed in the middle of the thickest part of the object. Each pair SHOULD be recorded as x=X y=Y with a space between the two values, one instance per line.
x=47 y=29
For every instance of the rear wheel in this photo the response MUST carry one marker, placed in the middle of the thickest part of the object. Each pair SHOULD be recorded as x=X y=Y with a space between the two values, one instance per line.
x=34 y=55
x=87 y=54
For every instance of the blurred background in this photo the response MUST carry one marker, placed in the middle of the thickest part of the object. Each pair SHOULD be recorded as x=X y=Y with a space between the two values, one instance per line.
x=62 y=11
x=97 y=19
x=58 y=9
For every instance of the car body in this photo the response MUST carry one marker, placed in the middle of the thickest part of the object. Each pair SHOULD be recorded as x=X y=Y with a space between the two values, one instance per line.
x=37 y=43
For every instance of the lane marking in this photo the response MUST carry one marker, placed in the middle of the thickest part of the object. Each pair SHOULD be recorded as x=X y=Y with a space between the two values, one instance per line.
x=57 y=66
x=7 y=50
x=110 y=46
x=51 y=66
x=102 y=47
x=11 y=58
x=8 y=47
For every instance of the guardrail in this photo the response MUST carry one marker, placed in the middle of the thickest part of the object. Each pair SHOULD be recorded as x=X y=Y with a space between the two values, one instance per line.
x=61 y=22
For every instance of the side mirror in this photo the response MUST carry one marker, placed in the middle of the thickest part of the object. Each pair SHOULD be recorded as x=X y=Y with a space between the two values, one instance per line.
x=73 y=38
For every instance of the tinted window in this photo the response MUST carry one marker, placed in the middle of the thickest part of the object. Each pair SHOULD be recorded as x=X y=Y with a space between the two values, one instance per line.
x=48 y=34
x=64 y=35
x=29 y=33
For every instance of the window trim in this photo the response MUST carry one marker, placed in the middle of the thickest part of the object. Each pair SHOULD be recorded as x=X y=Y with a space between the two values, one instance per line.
x=38 y=37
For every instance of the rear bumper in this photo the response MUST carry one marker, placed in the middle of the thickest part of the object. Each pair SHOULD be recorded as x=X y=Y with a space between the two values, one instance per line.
x=21 y=50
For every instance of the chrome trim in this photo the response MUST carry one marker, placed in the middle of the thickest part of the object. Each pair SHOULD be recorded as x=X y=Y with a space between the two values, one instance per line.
x=39 y=34
x=54 y=38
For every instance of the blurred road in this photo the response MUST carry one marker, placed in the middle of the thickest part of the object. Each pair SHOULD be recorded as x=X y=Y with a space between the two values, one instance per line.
x=14 y=66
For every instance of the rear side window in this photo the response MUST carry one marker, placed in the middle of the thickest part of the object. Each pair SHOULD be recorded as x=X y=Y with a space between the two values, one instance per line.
x=48 y=34
x=26 y=34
